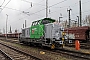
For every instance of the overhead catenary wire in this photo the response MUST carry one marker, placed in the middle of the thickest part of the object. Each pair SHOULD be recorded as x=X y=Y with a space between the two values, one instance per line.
x=39 y=16
x=34 y=3
x=75 y=14
x=54 y=5
x=16 y=10
x=42 y=9
x=45 y=8
x=62 y=8
x=12 y=9
x=30 y=14
x=67 y=6
x=5 y=6
x=48 y=7
x=57 y=3
x=2 y=3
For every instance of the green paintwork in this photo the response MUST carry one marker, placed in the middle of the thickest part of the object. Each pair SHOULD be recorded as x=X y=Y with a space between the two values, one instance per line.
x=37 y=28
x=36 y=31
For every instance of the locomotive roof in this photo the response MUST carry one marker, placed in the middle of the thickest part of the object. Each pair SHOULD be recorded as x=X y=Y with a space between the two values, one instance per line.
x=47 y=19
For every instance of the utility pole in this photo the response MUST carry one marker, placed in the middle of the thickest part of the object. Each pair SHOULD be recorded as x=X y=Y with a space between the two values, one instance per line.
x=10 y=30
x=60 y=17
x=3 y=30
x=80 y=13
x=69 y=16
x=0 y=31
x=25 y=23
x=78 y=20
x=6 y=26
x=75 y=23
x=18 y=34
x=49 y=13
x=46 y=8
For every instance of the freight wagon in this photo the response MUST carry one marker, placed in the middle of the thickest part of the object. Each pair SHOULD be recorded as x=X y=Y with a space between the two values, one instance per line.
x=78 y=33
x=11 y=35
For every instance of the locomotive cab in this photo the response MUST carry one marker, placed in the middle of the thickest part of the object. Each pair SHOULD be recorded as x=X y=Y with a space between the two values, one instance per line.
x=37 y=28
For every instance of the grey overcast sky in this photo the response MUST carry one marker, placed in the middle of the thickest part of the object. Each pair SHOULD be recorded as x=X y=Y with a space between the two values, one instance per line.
x=16 y=17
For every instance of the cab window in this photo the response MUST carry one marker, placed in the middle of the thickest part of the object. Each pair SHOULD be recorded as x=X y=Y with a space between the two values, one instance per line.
x=38 y=22
x=34 y=23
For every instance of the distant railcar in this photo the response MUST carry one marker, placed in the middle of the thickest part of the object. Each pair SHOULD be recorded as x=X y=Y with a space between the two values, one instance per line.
x=11 y=35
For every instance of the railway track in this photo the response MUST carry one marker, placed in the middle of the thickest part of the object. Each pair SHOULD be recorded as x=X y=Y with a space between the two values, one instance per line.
x=74 y=54
x=70 y=53
x=4 y=56
x=82 y=46
x=17 y=54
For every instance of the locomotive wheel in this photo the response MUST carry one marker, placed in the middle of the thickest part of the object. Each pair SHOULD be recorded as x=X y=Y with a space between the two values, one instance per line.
x=53 y=46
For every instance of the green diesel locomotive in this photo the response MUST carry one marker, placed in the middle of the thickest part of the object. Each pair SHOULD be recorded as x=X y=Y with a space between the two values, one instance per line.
x=44 y=32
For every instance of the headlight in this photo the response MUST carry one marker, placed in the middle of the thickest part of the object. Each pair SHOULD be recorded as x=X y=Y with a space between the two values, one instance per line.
x=63 y=33
x=63 y=39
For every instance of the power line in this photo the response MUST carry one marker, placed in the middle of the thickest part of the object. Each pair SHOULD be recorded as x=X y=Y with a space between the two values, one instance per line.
x=67 y=6
x=57 y=3
x=64 y=15
x=17 y=10
x=48 y=7
x=42 y=9
x=35 y=14
x=28 y=16
x=5 y=5
x=62 y=8
x=77 y=13
x=45 y=8
x=34 y=3
x=2 y=3
x=37 y=11
x=12 y=9
x=83 y=12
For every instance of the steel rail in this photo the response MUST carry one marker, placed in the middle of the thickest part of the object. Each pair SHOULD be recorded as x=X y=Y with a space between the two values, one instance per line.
x=6 y=55
x=36 y=58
